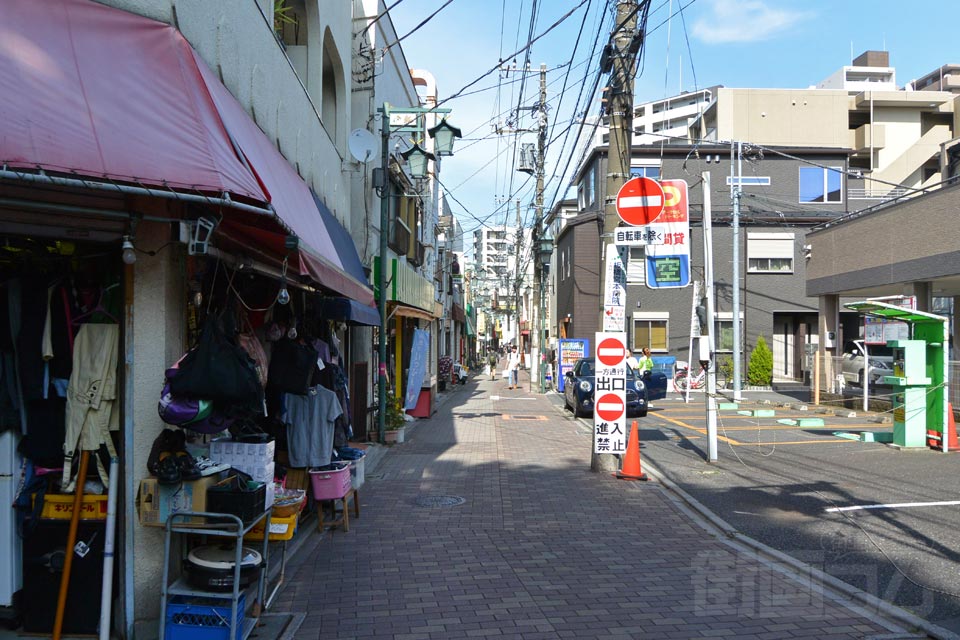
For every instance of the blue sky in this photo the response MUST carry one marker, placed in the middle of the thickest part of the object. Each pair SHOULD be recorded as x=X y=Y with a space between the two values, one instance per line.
x=736 y=43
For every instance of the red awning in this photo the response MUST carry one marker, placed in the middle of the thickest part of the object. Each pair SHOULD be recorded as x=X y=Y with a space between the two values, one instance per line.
x=92 y=90
x=289 y=195
x=98 y=92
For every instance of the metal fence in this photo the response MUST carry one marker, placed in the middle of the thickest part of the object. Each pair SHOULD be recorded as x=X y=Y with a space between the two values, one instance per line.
x=845 y=388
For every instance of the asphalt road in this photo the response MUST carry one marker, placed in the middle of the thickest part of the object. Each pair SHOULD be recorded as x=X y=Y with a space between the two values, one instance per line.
x=776 y=483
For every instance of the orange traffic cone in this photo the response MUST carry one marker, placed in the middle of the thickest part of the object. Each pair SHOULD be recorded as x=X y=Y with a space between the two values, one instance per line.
x=630 y=469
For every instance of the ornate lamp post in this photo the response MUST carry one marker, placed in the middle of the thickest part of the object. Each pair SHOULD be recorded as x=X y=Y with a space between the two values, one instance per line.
x=545 y=250
x=411 y=122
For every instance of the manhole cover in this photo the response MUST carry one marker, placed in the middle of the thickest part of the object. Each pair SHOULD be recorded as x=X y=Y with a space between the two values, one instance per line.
x=513 y=416
x=439 y=501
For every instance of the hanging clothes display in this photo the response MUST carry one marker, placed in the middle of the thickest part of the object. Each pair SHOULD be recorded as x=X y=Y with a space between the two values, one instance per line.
x=91 y=414
x=311 y=422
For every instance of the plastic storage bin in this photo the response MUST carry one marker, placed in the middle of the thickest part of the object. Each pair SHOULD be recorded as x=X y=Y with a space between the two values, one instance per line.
x=202 y=619
x=280 y=529
x=330 y=484
x=224 y=497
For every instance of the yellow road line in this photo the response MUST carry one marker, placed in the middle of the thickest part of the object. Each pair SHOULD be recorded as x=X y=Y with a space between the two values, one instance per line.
x=697 y=429
x=738 y=443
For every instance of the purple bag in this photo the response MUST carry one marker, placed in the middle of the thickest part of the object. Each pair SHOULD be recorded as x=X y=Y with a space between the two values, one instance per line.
x=215 y=422
x=180 y=411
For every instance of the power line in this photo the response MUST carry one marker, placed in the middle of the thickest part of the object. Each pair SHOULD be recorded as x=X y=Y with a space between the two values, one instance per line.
x=416 y=28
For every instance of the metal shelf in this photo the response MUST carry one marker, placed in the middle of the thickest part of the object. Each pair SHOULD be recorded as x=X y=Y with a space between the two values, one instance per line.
x=180 y=587
x=222 y=525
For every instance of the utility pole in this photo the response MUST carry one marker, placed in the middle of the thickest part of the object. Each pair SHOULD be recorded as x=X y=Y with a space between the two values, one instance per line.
x=517 y=279
x=620 y=110
x=736 y=191
x=540 y=342
x=711 y=395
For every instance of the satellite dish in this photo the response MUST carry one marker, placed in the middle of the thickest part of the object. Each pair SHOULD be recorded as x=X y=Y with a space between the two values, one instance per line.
x=362 y=144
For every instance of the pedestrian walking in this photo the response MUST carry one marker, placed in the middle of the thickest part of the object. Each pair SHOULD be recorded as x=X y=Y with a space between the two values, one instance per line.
x=513 y=367
x=492 y=360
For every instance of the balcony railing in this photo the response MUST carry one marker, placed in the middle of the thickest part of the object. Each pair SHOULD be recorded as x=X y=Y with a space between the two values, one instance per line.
x=876 y=194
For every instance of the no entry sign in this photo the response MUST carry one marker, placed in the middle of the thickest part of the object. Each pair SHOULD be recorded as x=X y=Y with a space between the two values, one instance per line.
x=610 y=407
x=611 y=352
x=640 y=201
x=610 y=392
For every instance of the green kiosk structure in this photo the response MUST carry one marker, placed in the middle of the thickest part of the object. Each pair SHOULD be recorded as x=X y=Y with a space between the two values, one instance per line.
x=919 y=380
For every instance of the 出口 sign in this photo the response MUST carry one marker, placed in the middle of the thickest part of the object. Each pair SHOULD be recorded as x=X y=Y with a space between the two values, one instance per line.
x=610 y=393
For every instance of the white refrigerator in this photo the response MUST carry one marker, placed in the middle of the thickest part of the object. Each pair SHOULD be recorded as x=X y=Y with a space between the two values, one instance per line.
x=11 y=570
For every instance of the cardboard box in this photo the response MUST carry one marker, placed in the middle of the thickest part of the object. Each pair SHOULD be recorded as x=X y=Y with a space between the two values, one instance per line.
x=258 y=472
x=271 y=495
x=155 y=502
x=242 y=453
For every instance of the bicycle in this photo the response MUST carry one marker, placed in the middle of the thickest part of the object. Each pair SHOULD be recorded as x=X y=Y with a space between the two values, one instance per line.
x=683 y=378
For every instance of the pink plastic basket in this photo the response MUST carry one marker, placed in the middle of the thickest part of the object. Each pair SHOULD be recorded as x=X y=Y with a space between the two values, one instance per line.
x=330 y=484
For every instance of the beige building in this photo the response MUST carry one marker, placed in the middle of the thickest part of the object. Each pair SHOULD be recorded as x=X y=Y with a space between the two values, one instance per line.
x=896 y=135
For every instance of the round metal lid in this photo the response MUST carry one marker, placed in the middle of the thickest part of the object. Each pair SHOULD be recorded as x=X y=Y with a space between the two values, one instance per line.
x=217 y=556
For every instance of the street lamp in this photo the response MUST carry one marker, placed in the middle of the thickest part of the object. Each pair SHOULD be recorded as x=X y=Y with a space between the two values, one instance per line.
x=417 y=158
x=443 y=135
x=545 y=250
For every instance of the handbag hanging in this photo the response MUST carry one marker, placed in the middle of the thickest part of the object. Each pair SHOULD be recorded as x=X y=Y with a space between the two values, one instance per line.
x=218 y=369
x=291 y=367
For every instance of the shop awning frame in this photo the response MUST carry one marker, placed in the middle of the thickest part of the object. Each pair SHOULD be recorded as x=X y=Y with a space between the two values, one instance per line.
x=175 y=131
x=350 y=311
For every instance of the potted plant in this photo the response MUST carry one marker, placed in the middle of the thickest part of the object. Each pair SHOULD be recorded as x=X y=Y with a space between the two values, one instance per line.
x=395 y=420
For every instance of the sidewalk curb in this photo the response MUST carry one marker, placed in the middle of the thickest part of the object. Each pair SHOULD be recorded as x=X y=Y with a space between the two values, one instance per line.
x=890 y=610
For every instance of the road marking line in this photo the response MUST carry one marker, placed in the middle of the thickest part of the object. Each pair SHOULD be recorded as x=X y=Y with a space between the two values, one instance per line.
x=698 y=430
x=900 y=505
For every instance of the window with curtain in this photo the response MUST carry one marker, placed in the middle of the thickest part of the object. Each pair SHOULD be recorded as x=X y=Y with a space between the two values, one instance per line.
x=770 y=252
x=651 y=330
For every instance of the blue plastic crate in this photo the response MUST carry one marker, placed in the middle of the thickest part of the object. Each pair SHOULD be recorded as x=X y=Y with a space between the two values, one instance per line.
x=191 y=618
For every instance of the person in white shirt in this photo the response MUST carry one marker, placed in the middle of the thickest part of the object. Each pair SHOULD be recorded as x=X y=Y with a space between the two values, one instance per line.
x=513 y=367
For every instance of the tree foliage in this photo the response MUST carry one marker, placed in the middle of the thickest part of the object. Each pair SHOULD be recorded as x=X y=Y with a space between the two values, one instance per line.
x=760 y=368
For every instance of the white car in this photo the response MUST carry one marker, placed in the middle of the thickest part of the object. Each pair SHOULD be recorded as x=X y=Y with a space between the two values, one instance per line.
x=881 y=362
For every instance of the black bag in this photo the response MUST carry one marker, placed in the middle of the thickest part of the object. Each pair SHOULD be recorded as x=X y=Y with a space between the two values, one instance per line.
x=218 y=369
x=291 y=367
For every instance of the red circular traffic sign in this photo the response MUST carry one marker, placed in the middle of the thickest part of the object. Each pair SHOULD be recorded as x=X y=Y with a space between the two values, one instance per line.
x=640 y=201
x=611 y=352
x=610 y=407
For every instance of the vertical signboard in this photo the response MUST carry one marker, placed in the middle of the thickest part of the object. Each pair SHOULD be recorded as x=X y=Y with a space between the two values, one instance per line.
x=615 y=295
x=610 y=393
x=568 y=352
x=418 y=367
x=668 y=264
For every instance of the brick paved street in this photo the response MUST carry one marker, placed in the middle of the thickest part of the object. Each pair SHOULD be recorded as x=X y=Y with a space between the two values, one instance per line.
x=541 y=547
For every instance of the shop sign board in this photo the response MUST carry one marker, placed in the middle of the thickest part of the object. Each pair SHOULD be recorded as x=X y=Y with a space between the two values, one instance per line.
x=615 y=288
x=610 y=393
x=668 y=264
x=568 y=352
x=639 y=236
x=878 y=331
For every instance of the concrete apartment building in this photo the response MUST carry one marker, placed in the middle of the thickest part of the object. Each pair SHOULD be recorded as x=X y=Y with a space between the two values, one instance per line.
x=864 y=140
x=503 y=280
